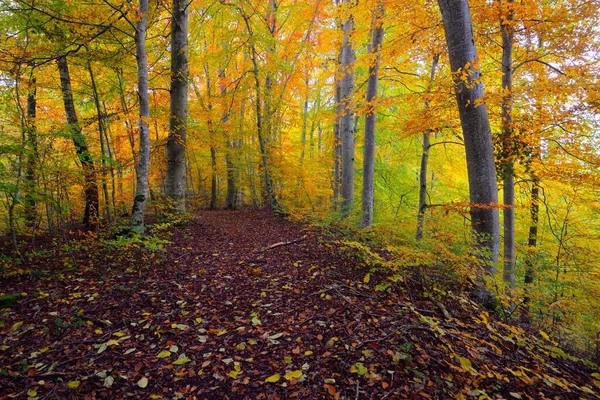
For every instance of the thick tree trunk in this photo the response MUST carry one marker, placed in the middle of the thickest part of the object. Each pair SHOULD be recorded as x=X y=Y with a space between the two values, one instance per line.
x=175 y=187
x=479 y=149
x=90 y=217
x=103 y=144
x=507 y=16
x=425 y=158
x=143 y=166
x=370 y=120
x=31 y=163
x=347 y=116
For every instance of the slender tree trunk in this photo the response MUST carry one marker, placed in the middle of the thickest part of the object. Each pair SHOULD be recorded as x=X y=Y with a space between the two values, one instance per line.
x=347 y=115
x=90 y=217
x=425 y=157
x=260 y=128
x=125 y=109
x=337 y=144
x=108 y=137
x=143 y=166
x=370 y=119
x=477 y=135
x=531 y=246
x=31 y=163
x=101 y=132
x=175 y=179
x=213 y=138
x=232 y=192
x=507 y=16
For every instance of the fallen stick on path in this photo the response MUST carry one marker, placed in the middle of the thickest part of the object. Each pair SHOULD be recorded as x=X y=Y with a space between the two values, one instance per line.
x=274 y=246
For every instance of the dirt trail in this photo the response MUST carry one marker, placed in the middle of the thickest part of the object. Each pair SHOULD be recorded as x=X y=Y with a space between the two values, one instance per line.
x=224 y=314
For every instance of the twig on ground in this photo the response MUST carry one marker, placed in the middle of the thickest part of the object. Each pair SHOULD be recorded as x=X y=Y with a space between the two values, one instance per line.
x=280 y=244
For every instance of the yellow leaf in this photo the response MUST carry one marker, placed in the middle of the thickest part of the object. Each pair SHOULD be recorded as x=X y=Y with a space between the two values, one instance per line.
x=73 y=384
x=32 y=393
x=544 y=335
x=367 y=278
x=273 y=378
x=293 y=375
x=181 y=360
x=164 y=354
x=143 y=382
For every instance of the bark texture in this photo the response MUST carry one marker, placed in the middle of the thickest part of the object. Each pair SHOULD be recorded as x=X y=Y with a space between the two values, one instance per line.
x=346 y=118
x=370 y=120
x=506 y=29
x=143 y=164
x=479 y=149
x=90 y=216
x=31 y=163
x=175 y=185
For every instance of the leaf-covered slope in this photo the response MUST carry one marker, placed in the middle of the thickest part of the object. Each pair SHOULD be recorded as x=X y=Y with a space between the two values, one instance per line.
x=246 y=305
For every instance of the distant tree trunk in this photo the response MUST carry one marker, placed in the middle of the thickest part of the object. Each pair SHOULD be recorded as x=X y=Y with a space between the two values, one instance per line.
x=531 y=246
x=370 y=119
x=125 y=110
x=425 y=157
x=477 y=135
x=506 y=29
x=175 y=187
x=212 y=134
x=143 y=166
x=260 y=127
x=31 y=163
x=347 y=115
x=337 y=144
x=101 y=132
x=108 y=137
x=231 y=198
x=90 y=217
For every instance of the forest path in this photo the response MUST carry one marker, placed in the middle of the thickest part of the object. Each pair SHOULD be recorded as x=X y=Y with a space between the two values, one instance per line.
x=222 y=314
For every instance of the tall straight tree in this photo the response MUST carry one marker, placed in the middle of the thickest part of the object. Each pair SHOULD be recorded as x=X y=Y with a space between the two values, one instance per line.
x=90 y=216
x=507 y=31
x=425 y=156
x=371 y=116
x=175 y=186
x=143 y=166
x=346 y=118
x=475 y=124
x=31 y=164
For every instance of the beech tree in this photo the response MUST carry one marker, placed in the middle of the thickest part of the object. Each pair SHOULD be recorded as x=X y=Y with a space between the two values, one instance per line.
x=475 y=124
x=371 y=117
x=176 y=185
x=143 y=165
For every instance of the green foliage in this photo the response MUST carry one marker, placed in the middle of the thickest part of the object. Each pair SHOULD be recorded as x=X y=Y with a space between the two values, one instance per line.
x=152 y=243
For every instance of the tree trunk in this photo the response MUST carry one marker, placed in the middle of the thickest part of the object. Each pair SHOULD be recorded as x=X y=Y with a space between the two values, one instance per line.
x=31 y=163
x=425 y=157
x=101 y=132
x=347 y=115
x=232 y=192
x=370 y=120
x=507 y=16
x=90 y=217
x=143 y=166
x=531 y=246
x=479 y=149
x=175 y=187
x=337 y=145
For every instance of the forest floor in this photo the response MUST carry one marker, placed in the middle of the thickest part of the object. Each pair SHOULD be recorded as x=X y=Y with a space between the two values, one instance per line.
x=248 y=305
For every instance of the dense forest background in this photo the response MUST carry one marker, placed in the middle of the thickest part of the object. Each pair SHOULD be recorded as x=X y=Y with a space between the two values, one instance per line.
x=281 y=95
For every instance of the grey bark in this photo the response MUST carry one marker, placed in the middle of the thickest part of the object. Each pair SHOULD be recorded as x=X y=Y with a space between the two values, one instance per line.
x=175 y=185
x=31 y=163
x=90 y=217
x=143 y=165
x=479 y=149
x=346 y=124
x=231 y=198
x=370 y=120
x=337 y=145
x=103 y=144
x=531 y=246
x=507 y=16
x=425 y=158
